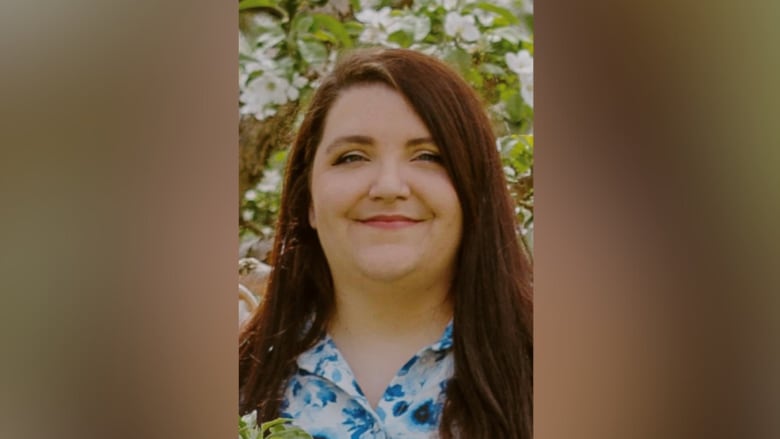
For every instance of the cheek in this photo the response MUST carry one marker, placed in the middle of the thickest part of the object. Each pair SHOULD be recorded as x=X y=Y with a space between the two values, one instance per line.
x=326 y=206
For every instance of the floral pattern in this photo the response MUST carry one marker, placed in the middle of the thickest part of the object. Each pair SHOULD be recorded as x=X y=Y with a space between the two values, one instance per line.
x=324 y=399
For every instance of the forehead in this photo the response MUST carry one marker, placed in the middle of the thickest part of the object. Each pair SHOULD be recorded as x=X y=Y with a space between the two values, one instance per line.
x=373 y=110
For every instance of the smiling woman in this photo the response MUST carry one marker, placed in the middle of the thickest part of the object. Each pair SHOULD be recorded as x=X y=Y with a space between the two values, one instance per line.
x=383 y=205
x=399 y=304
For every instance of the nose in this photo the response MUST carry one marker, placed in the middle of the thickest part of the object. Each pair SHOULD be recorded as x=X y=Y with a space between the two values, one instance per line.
x=389 y=183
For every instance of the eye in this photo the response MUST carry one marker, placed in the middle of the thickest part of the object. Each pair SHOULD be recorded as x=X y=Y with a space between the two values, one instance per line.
x=350 y=157
x=428 y=156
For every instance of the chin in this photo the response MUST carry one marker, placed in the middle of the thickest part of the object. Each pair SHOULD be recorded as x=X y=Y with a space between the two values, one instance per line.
x=384 y=272
x=388 y=267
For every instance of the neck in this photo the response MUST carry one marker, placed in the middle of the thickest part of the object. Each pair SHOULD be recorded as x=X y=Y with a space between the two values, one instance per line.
x=385 y=311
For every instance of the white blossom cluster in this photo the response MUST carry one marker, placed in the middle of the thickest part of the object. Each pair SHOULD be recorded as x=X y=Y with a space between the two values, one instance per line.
x=248 y=428
x=380 y=24
x=266 y=82
x=522 y=64
x=270 y=184
x=468 y=26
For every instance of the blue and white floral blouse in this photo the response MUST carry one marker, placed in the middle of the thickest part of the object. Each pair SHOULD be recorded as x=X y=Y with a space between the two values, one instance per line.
x=324 y=399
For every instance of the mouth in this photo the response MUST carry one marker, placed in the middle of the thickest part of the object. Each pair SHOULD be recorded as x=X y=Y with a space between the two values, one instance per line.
x=389 y=221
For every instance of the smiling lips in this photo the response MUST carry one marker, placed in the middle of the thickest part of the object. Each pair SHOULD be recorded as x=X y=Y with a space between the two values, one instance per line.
x=389 y=221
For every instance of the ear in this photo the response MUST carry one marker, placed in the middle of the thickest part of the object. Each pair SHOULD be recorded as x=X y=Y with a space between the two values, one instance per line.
x=312 y=217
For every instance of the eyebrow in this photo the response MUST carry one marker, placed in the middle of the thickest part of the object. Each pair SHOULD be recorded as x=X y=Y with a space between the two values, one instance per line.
x=366 y=140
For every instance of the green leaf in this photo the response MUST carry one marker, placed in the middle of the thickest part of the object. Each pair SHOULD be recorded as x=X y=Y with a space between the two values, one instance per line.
x=529 y=46
x=269 y=4
x=279 y=429
x=243 y=429
x=492 y=69
x=528 y=139
x=253 y=75
x=504 y=13
x=517 y=152
x=269 y=424
x=302 y=23
x=294 y=433
x=401 y=37
x=278 y=159
x=321 y=35
x=312 y=51
x=334 y=26
x=514 y=106
x=459 y=58
x=510 y=33
x=245 y=58
x=474 y=76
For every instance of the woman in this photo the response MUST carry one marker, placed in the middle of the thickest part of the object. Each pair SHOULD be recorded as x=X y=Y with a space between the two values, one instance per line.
x=400 y=303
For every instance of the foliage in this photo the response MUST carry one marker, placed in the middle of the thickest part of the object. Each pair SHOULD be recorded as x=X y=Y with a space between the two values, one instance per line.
x=286 y=46
x=277 y=429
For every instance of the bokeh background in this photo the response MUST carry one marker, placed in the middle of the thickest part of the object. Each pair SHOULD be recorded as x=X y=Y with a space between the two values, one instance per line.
x=655 y=219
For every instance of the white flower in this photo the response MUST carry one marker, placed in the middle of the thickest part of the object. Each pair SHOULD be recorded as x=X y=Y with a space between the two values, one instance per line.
x=251 y=420
x=299 y=81
x=512 y=34
x=528 y=6
x=373 y=35
x=277 y=88
x=247 y=214
x=271 y=180
x=270 y=39
x=368 y=4
x=521 y=63
x=459 y=25
x=449 y=4
x=527 y=92
x=377 y=25
x=485 y=17
x=243 y=44
x=262 y=59
x=292 y=93
x=264 y=20
x=419 y=27
x=263 y=91
x=324 y=68
x=371 y=17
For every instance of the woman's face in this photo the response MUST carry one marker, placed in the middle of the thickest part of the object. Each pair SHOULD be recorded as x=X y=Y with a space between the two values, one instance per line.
x=383 y=204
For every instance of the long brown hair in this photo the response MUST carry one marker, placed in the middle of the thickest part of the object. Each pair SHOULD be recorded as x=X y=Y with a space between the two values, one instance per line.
x=491 y=392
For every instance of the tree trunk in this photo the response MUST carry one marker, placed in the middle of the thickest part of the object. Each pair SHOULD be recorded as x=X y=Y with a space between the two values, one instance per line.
x=257 y=140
